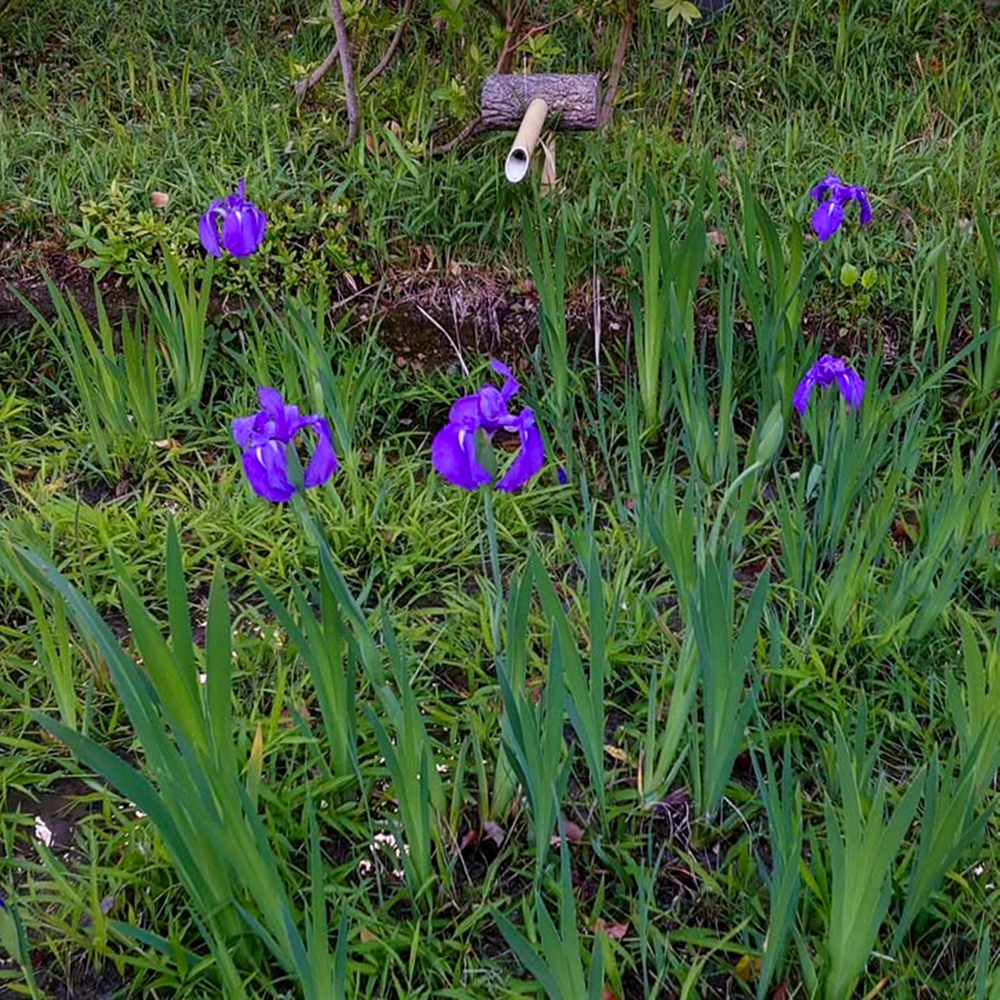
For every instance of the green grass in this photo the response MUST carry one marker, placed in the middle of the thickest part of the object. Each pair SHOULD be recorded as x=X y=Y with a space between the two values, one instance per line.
x=417 y=553
x=743 y=664
x=164 y=96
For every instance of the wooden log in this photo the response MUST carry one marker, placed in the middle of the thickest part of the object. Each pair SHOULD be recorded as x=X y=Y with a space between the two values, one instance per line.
x=574 y=99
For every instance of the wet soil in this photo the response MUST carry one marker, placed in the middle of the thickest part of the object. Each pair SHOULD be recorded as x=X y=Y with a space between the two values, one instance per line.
x=427 y=317
x=422 y=317
x=55 y=809
x=78 y=980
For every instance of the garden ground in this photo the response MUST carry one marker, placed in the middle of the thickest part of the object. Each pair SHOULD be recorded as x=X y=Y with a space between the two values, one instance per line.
x=719 y=715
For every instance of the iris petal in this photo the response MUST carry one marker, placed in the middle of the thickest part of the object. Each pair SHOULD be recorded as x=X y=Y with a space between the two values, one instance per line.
x=271 y=401
x=802 y=393
x=238 y=233
x=827 y=218
x=243 y=428
x=865 y=210
x=819 y=192
x=208 y=234
x=492 y=408
x=511 y=385
x=852 y=386
x=266 y=467
x=465 y=411
x=259 y=224
x=530 y=458
x=453 y=454
x=283 y=419
x=323 y=463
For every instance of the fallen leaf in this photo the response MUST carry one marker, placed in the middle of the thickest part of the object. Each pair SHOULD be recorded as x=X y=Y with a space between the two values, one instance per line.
x=367 y=936
x=619 y=755
x=717 y=238
x=159 y=199
x=574 y=834
x=494 y=831
x=488 y=831
x=747 y=968
x=615 y=931
x=288 y=719
x=781 y=993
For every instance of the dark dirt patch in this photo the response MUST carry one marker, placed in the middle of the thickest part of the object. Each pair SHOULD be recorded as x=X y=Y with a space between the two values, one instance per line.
x=57 y=808
x=27 y=280
x=431 y=318
x=421 y=317
x=77 y=980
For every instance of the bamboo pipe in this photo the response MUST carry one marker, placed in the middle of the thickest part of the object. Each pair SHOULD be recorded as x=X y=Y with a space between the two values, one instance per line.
x=519 y=157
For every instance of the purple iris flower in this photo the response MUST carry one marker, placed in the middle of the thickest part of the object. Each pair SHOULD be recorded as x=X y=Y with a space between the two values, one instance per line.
x=243 y=225
x=453 y=451
x=825 y=372
x=264 y=435
x=832 y=194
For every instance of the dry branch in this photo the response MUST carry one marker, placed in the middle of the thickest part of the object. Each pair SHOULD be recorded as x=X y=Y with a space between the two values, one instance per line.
x=393 y=45
x=301 y=86
x=347 y=68
x=513 y=23
x=614 y=79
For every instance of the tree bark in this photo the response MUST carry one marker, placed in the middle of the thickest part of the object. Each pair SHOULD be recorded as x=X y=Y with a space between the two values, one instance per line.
x=574 y=100
x=347 y=67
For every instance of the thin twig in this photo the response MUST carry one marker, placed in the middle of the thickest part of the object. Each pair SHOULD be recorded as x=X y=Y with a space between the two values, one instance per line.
x=471 y=128
x=301 y=86
x=493 y=10
x=393 y=45
x=616 y=67
x=347 y=67
x=514 y=23
x=513 y=39
x=538 y=29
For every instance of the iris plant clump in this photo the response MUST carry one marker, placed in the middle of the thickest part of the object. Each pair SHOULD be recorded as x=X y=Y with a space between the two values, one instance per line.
x=472 y=422
x=832 y=194
x=825 y=372
x=243 y=225
x=462 y=446
x=264 y=437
